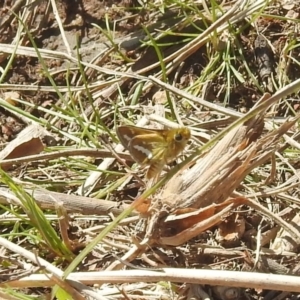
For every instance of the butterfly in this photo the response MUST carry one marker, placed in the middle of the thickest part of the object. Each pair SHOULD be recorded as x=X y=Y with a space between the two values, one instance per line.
x=153 y=147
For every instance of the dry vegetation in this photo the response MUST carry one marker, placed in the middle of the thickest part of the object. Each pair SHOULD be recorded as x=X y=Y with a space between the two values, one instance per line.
x=222 y=222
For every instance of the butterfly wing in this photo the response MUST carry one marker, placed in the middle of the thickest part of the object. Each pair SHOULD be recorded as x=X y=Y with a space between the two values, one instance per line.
x=147 y=148
x=127 y=132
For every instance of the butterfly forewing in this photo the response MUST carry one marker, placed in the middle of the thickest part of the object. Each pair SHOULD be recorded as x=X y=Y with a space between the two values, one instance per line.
x=127 y=132
x=125 y=135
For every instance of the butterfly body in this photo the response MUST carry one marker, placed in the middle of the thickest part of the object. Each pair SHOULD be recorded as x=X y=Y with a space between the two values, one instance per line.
x=153 y=147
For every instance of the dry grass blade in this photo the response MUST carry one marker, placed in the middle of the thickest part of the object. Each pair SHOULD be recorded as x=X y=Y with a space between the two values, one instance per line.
x=202 y=276
x=74 y=204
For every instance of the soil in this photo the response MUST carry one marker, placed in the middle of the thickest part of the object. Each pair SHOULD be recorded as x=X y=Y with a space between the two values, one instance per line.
x=78 y=21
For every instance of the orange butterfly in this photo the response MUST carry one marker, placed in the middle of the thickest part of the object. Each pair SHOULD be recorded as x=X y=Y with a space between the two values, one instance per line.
x=153 y=147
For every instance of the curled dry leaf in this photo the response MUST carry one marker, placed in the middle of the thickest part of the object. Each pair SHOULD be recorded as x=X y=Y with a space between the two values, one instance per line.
x=176 y=230
x=28 y=142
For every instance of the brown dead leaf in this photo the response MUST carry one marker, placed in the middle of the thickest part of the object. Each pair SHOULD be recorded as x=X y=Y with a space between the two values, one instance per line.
x=28 y=142
x=182 y=219
x=185 y=235
x=179 y=228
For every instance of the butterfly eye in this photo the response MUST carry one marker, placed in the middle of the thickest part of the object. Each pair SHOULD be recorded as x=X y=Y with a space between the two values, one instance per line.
x=178 y=137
